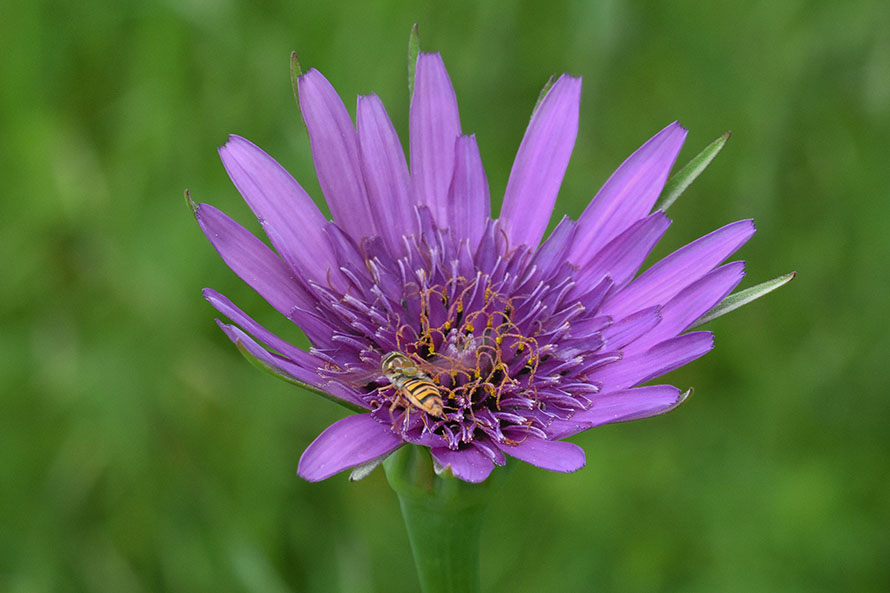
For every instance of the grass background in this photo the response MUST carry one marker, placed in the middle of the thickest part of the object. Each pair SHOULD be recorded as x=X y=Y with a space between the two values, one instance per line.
x=140 y=452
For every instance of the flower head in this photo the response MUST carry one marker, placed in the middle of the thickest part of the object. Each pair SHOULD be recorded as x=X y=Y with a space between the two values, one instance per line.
x=447 y=328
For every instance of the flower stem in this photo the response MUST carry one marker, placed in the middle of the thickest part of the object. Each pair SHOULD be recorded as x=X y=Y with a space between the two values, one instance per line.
x=443 y=516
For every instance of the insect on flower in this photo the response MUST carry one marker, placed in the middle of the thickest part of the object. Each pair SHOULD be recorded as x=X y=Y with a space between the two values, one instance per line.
x=412 y=383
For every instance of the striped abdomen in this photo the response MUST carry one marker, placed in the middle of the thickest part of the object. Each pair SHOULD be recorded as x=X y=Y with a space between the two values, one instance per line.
x=423 y=393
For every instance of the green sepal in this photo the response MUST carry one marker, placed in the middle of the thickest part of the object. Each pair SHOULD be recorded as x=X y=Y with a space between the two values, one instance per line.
x=413 y=52
x=683 y=178
x=444 y=517
x=743 y=297
x=191 y=203
x=361 y=471
x=296 y=71
x=547 y=86
x=263 y=366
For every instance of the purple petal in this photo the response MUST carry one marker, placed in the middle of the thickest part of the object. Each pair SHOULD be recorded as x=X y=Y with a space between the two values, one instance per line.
x=346 y=443
x=239 y=317
x=623 y=406
x=662 y=281
x=289 y=369
x=660 y=359
x=253 y=262
x=434 y=125
x=386 y=172
x=541 y=163
x=629 y=194
x=336 y=154
x=593 y=298
x=627 y=330
x=470 y=465
x=552 y=252
x=281 y=206
x=691 y=303
x=622 y=257
x=556 y=456
x=318 y=330
x=469 y=201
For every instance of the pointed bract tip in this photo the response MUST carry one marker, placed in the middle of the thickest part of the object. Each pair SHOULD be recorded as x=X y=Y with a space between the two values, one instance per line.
x=683 y=178
x=191 y=203
x=413 y=51
x=296 y=71
x=296 y=68
x=547 y=86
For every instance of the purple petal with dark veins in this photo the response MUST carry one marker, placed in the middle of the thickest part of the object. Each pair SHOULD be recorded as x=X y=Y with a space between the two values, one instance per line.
x=386 y=172
x=280 y=204
x=662 y=358
x=470 y=465
x=540 y=164
x=629 y=194
x=253 y=262
x=557 y=456
x=691 y=303
x=336 y=155
x=469 y=201
x=672 y=274
x=434 y=126
x=346 y=443
x=619 y=406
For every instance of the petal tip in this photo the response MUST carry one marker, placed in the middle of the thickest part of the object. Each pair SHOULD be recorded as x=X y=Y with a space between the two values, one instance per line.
x=235 y=139
x=676 y=126
x=430 y=55
x=310 y=76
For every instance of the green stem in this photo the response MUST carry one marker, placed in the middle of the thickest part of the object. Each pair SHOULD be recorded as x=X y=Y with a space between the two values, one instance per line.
x=443 y=516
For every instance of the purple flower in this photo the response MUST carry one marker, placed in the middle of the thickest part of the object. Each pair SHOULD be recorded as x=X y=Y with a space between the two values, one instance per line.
x=523 y=342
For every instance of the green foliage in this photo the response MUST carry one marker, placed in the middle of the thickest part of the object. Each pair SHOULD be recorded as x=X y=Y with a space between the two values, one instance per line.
x=743 y=297
x=140 y=452
x=683 y=178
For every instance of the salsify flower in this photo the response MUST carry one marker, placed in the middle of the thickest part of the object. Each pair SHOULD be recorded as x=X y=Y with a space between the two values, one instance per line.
x=504 y=345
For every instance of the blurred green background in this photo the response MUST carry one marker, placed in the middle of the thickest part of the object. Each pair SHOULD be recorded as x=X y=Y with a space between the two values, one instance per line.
x=140 y=452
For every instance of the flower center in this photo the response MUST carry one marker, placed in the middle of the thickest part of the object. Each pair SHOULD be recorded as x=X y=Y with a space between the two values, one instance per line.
x=469 y=343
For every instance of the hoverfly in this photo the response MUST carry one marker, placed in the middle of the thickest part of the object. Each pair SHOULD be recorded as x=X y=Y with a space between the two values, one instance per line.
x=412 y=383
